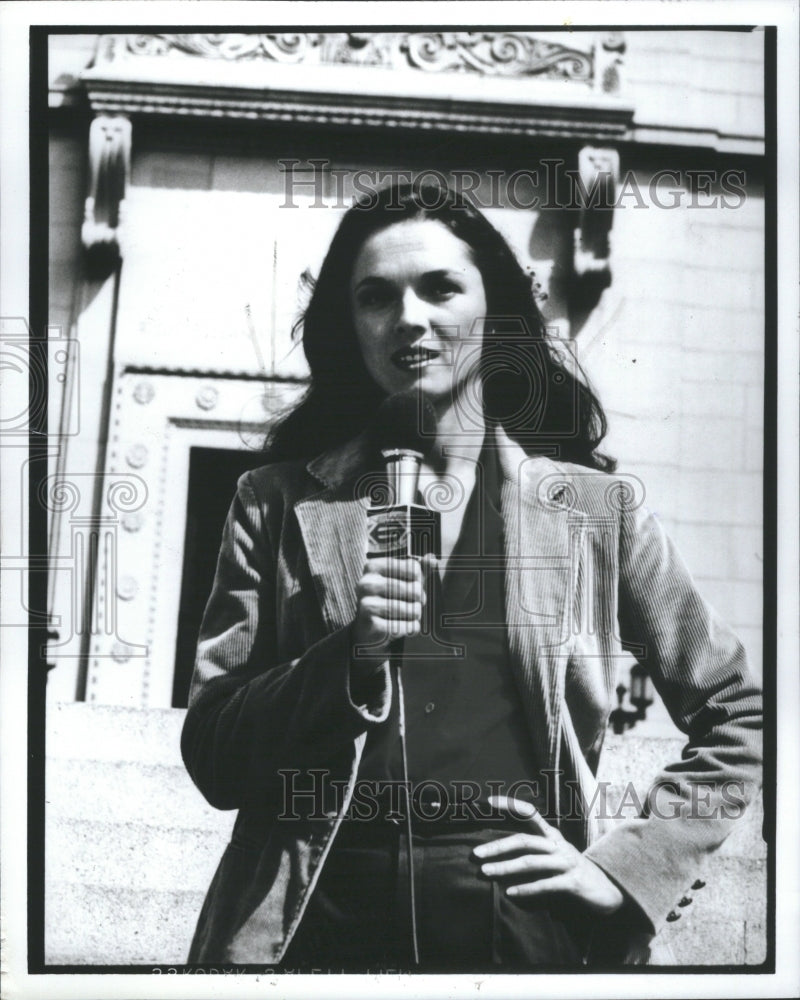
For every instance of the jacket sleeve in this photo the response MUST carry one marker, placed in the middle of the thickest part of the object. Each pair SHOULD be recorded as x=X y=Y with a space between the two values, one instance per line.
x=699 y=668
x=249 y=716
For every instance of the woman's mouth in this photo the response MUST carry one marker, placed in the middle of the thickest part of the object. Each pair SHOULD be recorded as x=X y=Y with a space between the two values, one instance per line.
x=409 y=359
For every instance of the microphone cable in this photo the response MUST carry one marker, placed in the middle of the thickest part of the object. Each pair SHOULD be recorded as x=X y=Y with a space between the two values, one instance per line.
x=394 y=663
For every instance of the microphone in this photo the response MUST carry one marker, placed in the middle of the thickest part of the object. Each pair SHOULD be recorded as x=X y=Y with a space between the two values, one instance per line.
x=405 y=428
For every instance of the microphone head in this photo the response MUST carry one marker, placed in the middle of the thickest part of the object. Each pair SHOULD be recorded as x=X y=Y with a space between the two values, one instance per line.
x=405 y=421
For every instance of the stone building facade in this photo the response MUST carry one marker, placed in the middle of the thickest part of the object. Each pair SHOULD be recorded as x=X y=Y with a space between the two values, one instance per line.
x=194 y=180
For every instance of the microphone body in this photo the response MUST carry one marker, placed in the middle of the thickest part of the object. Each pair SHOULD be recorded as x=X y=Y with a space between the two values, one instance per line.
x=403 y=528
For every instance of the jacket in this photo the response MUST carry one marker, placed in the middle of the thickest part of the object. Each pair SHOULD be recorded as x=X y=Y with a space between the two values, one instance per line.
x=588 y=572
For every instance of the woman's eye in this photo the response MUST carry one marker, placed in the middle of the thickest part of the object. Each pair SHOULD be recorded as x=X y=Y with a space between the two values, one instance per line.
x=370 y=298
x=442 y=288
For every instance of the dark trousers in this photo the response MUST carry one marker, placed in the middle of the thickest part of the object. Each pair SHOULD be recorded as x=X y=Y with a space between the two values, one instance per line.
x=359 y=918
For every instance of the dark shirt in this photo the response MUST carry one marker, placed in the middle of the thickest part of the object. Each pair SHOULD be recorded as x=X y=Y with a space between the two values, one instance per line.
x=464 y=716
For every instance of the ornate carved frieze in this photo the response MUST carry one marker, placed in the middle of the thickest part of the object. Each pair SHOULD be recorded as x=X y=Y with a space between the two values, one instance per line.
x=480 y=82
x=486 y=53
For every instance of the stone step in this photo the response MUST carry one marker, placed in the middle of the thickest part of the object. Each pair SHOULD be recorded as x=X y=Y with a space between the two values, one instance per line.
x=84 y=731
x=105 y=925
x=126 y=792
x=132 y=845
x=138 y=855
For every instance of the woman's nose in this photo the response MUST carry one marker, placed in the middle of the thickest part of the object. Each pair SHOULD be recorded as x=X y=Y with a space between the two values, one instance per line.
x=413 y=313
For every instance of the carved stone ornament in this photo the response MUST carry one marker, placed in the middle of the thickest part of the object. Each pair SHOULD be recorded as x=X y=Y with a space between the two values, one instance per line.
x=121 y=652
x=127 y=588
x=609 y=61
x=598 y=170
x=207 y=397
x=132 y=522
x=109 y=176
x=502 y=53
x=287 y=47
x=484 y=53
x=143 y=392
x=136 y=456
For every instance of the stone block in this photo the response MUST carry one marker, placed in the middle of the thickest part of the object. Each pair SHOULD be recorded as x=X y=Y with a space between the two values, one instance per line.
x=739 y=46
x=719 y=330
x=749 y=111
x=710 y=442
x=705 y=395
x=753 y=450
x=755 y=407
x=142 y=854
x=740 y=603
x=755 y=940
x=716 y=234
x=123 y=792
x=157 y=169
x=102 y=925
x=732 y=498
x=726 y=552
x=80 y=731
x=248 y=173
x=738 y=288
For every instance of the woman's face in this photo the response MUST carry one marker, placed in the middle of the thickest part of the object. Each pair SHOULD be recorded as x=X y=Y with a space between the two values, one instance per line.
x=418 y=305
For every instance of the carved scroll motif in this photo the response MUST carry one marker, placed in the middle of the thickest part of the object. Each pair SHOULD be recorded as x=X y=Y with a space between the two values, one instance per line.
x=496 y=54
x=484 y=53
x=287 y=47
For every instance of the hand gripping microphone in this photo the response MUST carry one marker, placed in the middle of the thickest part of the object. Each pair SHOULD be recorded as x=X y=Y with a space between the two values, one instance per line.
x=405 y=427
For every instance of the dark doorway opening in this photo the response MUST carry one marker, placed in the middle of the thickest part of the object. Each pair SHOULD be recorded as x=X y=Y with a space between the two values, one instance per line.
x=213 y=473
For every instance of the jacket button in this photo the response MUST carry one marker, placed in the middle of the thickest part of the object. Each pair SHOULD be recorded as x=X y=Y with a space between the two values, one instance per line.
x=685 y=901
x=672 y=916
x=698 y=884
x=429 y=708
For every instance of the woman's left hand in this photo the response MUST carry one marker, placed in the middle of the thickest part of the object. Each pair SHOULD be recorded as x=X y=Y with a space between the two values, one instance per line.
x=541 y=863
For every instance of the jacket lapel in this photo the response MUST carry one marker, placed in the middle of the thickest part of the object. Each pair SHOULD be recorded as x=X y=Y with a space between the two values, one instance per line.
x=541 y=537
x=333 y=524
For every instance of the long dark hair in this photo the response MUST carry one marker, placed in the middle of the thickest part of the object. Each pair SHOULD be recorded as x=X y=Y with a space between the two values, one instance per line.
x=530 y=385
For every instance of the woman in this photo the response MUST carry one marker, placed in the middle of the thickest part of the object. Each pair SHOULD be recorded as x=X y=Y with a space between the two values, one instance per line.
x=548 y=567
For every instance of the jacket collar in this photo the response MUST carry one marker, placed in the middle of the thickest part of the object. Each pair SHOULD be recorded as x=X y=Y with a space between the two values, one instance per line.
x=342 y=463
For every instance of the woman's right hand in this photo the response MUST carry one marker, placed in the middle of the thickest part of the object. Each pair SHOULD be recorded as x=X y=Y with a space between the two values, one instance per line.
x=391 y=596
